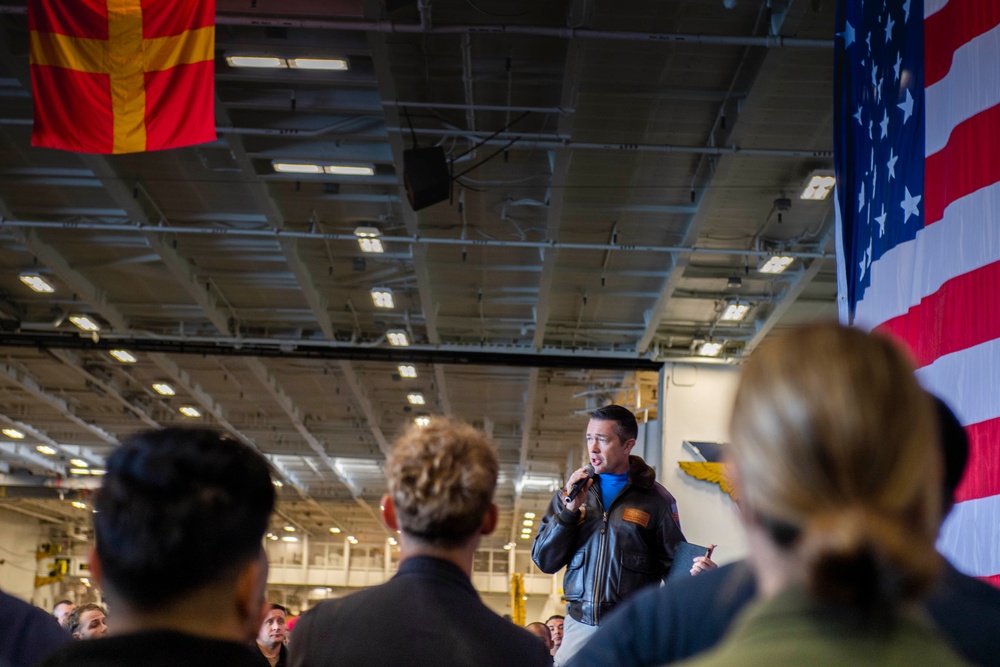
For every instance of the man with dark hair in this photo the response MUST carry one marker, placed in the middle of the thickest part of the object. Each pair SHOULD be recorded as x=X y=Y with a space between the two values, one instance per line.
x=62 y=609
x=687 y=617
x=88 y=621
x=619 y=534
x=179 y=521
x=272 y=635
x=441 y=482
x=555 y=625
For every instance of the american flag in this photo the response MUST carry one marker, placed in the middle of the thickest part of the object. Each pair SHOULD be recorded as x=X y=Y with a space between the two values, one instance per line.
x=917 y=155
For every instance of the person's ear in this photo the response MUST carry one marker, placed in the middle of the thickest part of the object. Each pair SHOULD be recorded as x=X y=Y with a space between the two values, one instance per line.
x=251 y=605
x=628 y=445
x=389 y=512
x=490 y=520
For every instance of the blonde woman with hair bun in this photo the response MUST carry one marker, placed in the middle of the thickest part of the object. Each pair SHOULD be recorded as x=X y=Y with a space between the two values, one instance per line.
x=838 y=470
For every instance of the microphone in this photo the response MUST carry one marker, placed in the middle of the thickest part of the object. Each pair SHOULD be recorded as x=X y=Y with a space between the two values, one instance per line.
x=579 y=484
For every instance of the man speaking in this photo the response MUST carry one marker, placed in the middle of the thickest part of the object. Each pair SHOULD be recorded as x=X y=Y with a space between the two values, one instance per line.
x=613 y=527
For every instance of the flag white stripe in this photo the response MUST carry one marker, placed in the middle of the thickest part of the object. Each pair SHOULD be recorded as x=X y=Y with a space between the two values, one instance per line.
x=968 y=89
x=968 y=381
x=965 y=239
x=933 y=6
x=970 y=537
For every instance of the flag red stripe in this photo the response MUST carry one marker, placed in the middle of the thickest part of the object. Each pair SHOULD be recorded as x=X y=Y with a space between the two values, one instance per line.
x=81 y=120
x=969 y=162
x=180 y=106
x=88 y=18
x=958 y=22
x=164 y=19
x=993 y=580
x=983 y=470
x=956 y=317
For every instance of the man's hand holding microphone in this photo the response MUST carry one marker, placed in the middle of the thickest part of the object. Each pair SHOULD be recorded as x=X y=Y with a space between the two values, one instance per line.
x=577 y=486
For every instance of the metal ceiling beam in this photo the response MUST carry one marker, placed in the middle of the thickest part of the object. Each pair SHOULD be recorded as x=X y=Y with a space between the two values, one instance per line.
x=25 y=453
x=560 y=161
x=317 y=302
x=110 y=389
x=80 y=284
x=34 y=387
x=366 y=406
x=287 y=404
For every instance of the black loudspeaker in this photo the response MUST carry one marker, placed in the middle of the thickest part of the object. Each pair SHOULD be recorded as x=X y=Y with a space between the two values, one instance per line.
x=426 y=177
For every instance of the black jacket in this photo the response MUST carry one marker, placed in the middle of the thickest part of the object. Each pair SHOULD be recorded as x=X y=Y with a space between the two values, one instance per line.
x=610 y=555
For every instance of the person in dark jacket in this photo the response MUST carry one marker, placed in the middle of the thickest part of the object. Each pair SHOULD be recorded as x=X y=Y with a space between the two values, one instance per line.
x=687 y=617
x=617 y=536
x=180 y=518
x=27 y=633
x=441 y=482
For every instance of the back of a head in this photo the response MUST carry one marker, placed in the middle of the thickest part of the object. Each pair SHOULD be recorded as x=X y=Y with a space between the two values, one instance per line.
x=441 y=478
x=625 y=424
x=178 y=510
x=834 y=441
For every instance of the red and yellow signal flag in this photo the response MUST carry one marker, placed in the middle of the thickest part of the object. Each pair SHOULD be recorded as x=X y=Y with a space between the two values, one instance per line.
x=122 y=76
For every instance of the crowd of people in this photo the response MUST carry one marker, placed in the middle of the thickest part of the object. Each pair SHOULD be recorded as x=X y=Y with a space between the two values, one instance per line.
x=844 y=467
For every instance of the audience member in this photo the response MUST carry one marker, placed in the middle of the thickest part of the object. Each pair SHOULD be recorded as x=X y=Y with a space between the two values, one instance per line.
x=541 y=631
x=555 y=626
x=272 y=634
x=88 y=621
x=441 y=482
x=689 y=616
x=179 y=522
x=61 y=610
x=836 y=466
x=27 y=633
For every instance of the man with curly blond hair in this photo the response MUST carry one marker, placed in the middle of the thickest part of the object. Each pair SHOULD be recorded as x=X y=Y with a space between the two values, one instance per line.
x=441 y=481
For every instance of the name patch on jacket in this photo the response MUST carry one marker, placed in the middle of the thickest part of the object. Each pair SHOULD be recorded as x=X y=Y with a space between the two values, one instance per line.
x=636 y=516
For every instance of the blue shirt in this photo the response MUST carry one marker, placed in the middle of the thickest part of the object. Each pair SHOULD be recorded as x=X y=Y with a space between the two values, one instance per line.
x=611 y=486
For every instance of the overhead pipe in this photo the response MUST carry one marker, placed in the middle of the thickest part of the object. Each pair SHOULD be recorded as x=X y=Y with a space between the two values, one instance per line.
x=769 y=41
x=274 y=233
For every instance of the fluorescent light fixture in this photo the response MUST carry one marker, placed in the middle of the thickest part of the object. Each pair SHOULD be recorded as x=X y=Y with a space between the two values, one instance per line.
x=508 y=546
x=526 y=529
x=382 y=297
x=297 y=168
x=775 y=264
x=85 y=323
x=422 y=421
x=349 y=169
x=260 y=62
x=416 y=398
x=525 y=536
x=289 y=528
x=45 y=449
x=80 y=506
x=529 y=522
x=189 y=411
x=397 y=338
x=272 y=536
x=352 y=539
x=37 y=283
x=710 y=349
x=79 y=463
x=163 y=389
x=407 y=371
x=368 y=239
x=329 y=64
x=735 y=311
x=278 y=483
x=123 y=356
x=335 y=530
x=289 y=538
x=819 y=187
x=529 y=515
x=392 y=541
x=13 y=433
x=87 y=471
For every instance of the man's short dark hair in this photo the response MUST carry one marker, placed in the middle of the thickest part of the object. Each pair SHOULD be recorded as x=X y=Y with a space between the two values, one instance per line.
x=73 y=618
x=561 y=618
x=179 y=509
x=56 y=605
x=625 y=426
x=275 y=605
